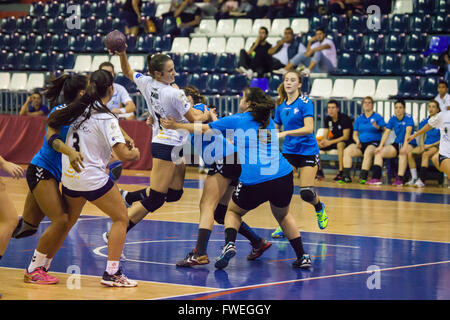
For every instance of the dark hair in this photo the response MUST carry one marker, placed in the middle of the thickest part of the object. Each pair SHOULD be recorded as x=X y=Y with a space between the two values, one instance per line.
x=443 y=82
x=261 y=105
x=99 y=83
x=70 y=85
x=435 y=102
x=156 y=62
x=265 y=29
x=282 y=92
x=320 y=29
x=335 y=102
x=195 y=94
x=400 y=101
x=289 y=28
x=105 y=64
x=368 y=98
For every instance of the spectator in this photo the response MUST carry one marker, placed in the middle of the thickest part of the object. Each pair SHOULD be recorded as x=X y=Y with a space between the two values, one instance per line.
x=210 y=7
x=257 y=59
x=131 y=15
x=33 y=106
x=443 y=98
x=281 y=9
x=121 y=103
x=338 y=129
x=285 y=49
x=319 y=56
x=234 y=9
x=348 y=7
x=188 y=16
x=261 y=9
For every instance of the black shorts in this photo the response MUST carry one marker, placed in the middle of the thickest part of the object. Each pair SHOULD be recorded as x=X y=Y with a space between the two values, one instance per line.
x=89 y=195
x=364 y=145
x=278 y=192
x=300 y=161
x=165 y=151
x=229 y=168
x=36 y=174
x=398 y=146
x=334 y=146
x=442 y=158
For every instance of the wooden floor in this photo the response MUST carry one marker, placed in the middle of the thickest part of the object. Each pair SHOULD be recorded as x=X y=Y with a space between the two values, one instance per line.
x=347 y=216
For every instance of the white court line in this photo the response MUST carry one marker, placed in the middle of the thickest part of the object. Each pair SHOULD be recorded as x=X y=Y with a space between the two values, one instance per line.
x=250 y=287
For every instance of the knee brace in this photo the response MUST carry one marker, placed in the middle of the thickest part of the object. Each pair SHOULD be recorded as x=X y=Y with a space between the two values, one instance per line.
x=154 y=201
x=174 y=195
x=219 y=213
x=308 y=194
x=115 y=170
x=24 y=229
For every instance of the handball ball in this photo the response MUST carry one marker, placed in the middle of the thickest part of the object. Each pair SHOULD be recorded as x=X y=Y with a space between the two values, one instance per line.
x=115 y=41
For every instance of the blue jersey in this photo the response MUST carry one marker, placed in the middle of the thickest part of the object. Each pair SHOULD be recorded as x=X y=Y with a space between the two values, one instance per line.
x=432 y=136
x=399 y=127
x=211 y=147
x=367 y=132
x=291 y=117
x=258 y=150
x=47 y=157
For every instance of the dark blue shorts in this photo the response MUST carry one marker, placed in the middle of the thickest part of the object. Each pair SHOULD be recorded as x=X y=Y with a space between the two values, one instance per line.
x=130 y=19
x=164 y=152
x=89 y=195
x=442 y=158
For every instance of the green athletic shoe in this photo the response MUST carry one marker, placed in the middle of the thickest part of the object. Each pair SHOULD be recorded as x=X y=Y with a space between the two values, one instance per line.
x=277 y=234
x=362 y=181
x=322 y=218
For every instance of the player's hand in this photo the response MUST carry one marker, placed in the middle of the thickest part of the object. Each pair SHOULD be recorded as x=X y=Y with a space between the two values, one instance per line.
x=76 y=160
x=378 y=149
x=116 y=111
x=136 y=152
x=281 y=134
x=149 y=120
x=13 y=170
x=168 y=123
x=412 y=137
x=124 y=52
x=129 y=142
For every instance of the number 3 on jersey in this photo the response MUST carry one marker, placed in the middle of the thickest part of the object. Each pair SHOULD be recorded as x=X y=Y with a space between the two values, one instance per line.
x=76 y=141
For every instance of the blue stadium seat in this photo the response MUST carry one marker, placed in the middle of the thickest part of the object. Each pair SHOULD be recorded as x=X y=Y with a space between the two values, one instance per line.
x=89 y=25
x=24 y=24
x=399 y=23
x=169 y=25
x=217 y=83
x=416 y=42
x=236 y=83
x=318 y=22
x=274 y=83
x=113 y=8
x=442 y=7
x=301 y=9
x=181 y=79
x=440 y=24
x=40 y=25
x=190 y=62
x=438 y=44
x=2 y=41
x=412 y=63
x=420 y=24
x=77 y=43
x=207 y=62
x=394 y=42
x=44 y=42
x=86 y=10
x=11 y=41
x=368 y=64
x=145 y=43
x=338 y=24
x=47 y=61
x=148 y=9
x=373 y=42
x=51 y=9
x=27 y=42
x=14 y=60
x=94 y=43
x=3 y=55
x=31 y=61
x=162 y=43
x=117 y=24
x=357 y=24
x=408 y=87
x=428 y=87
x=199 y=80
x=132 y=43
x=105 y=25
x=226 y=62
x=60 y=43
x=127 y=83
x=56 y=25
x=9 y=25
x=98 y=9
x=37 y=9
x=352 y=42
x=423 y=7
x=346 y=64
x=65 y=60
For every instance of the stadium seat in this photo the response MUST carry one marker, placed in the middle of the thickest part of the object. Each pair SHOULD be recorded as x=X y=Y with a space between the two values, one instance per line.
x=97 y=60
x=25 y=24
x=249 y=42
x=258 y=23
x=338 y=24
x=181 y=79
x=4 y=80
x=274 y=83
x=373 y=42
x=386 y=88
x=368 y=63
x=27 y=42
x=403 y=6
x=441 y=7
x=412 y=63
x=394 y=42
x=105 y=25
x=11 y=41
x=389 y=64
x=129 y=85
x=278 y=26
x=321 y=88
x=31 y=61
x=115 y=61
x=190 y=62
x=198 y=45
x=357 y=24
x=352 y=42
x=65 y=61
x=207 y=62
x=440 y=24
x=199 y=80
x=61 y=42
x=438 y=44
x=94 y=43
x=225 y=27
x=217 y=44
x=169 y=25
x=39 y=25
x=77 y=43
x=148 y=9
x=113 y=8
x=98 y=9
x=51 y=9
x=180 y=45
x=364 y=88
x=131 y=43
x=342 y=88
x=300 y=25
x=262 y=83
x=145 y=43
x=117 y=24
x=416 y=42
x=137 y=62
x=162 y=8
x=234 y=45
x=380 y=24
x=88 y=25
x=318 y=22
x=420 y=24
x=37 y=9
x=18 y=81
x=35 y=80
x=243 y=27
x=236 y=83
x=399 y=23
x=86 y=10
x=302 y=9
x=428 y=87
x=162 y=43
x=408 y=87
x=8 y=25
x=206 y=28
x=346 y=64
x=56 y=25
x=225 y=62
x=82 y=63
x=217 y=83
x=423 y=7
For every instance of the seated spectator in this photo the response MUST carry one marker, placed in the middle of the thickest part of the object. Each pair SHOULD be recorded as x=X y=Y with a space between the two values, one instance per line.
x=33 y=106
x=403 y=126
x=257 y=59
x=347 y=7
x=319 y=56
x=443 y=98
x=209 y=7
x=261 y=9
x=367 y=132
x=427 y=147
x=285 y=49
x=121 y=103
x=338 y=129
x=281 y=9
x=188 y=17
x=131 y=16
x=234 y=9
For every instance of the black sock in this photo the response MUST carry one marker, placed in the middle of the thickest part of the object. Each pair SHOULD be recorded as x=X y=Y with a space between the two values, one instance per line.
x=364 y=174
x=131 y=224
x=230 y=235
x=248 y=232
x=376 y=172
x=202 y=241
x=318 y=206
x=423 y=173
x=401 y=178
x=133 y=196
x=346 y=172
x=297 y=245
x=1 y=257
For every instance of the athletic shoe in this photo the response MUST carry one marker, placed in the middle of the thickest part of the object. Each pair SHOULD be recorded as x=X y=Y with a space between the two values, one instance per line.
x=228 y=252
x=398 y=182
x=257 y=252
x=277 y=234
x=345 y=180
x=411 y=182
x=322 y=218
x=193 y=259
x=338 y=177
x=374 y=182
x=419 y=183
x=319 y=175
x=362 y=181
x=241 y=70
x=303 y=263
x=124 y=193
x=117 y=280
x=281 y=71
x=249 y=74
x=105 y=237
x=39 y=276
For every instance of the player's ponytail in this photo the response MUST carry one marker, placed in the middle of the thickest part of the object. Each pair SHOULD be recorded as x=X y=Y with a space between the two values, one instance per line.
x=69 y=85
x=261 y=105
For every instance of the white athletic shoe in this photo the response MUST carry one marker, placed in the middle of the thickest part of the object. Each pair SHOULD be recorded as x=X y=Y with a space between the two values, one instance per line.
x=419 y=183
x=124 y=194
x=411 y=182
x=281 y=71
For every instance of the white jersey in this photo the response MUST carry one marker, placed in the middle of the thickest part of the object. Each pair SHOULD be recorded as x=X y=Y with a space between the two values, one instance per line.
x=94 y=139
x=164 y=101
x=119 y=97
x=442 y=122
x=443 y=102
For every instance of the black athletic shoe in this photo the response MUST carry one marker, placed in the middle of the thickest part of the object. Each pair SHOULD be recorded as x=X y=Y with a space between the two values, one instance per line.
x=303 y=263
x=193 y=259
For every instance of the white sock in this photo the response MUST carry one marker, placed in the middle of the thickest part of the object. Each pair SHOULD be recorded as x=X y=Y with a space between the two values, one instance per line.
x=47 y=263
x=112 y=267
x=413 y=173
x=37 y=261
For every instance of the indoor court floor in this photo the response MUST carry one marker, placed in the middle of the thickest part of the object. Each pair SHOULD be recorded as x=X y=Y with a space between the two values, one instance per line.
x=381 y=242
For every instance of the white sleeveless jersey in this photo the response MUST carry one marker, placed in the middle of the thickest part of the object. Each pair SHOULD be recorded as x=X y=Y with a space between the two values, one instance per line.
x=441 y=121
x=164 y=101
x=94 y=140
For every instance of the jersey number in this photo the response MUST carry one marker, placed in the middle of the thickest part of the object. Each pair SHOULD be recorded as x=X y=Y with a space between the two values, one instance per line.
x=76 y=141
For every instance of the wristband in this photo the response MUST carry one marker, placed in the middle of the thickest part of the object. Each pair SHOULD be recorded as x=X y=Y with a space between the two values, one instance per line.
x=53 y=138
x=123 y=110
